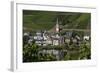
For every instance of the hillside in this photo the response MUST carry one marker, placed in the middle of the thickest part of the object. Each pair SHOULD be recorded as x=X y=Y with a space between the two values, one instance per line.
x=46 y=20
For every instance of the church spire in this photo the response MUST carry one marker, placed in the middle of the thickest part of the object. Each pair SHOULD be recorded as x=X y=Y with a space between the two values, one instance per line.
x=57 y=25
x=57 y=21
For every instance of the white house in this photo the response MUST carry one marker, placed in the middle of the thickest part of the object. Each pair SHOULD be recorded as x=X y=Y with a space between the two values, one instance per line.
x=86 y=37
x=39 y=39
x=49 y=40
x=26 y=34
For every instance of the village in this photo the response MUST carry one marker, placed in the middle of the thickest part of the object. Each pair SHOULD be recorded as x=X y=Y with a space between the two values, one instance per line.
x=48 y=38
x=44 y=38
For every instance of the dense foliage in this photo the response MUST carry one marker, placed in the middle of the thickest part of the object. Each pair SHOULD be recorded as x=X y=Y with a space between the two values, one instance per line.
x=69 y=52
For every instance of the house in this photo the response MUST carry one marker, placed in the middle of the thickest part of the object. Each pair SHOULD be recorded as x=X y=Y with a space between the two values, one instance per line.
x=74 y=40
x=68 y=36
x=40 y=39
x=67 y=40
x=86 y=37
x=49 y=40
x=26 y=34
x=55 y=41
x=30 y=41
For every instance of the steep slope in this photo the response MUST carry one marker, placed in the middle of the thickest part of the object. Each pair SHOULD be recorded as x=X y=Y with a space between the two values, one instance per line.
x=46 y=20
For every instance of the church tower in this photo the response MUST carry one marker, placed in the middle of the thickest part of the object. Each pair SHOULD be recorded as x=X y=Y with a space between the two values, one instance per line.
x=57 y=26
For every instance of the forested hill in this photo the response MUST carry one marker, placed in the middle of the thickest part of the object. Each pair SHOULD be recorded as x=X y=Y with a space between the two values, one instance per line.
x=46 y=20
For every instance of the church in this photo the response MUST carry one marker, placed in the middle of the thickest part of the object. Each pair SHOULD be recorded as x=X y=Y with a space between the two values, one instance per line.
x=43 y=39
x=57 y=39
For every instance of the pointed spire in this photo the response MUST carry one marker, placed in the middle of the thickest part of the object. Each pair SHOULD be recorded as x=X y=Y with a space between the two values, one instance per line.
x=57 y=25
x=57 y=21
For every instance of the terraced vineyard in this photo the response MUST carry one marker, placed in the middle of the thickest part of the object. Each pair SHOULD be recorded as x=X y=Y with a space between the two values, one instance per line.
x=45 y=20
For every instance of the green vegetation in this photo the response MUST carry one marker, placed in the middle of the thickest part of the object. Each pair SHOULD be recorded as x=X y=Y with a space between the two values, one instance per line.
x=77 y=23
x=46 y=20
x=73 y=52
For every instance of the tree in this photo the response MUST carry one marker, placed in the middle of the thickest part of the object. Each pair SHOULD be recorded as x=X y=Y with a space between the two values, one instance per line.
x=30 y=53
